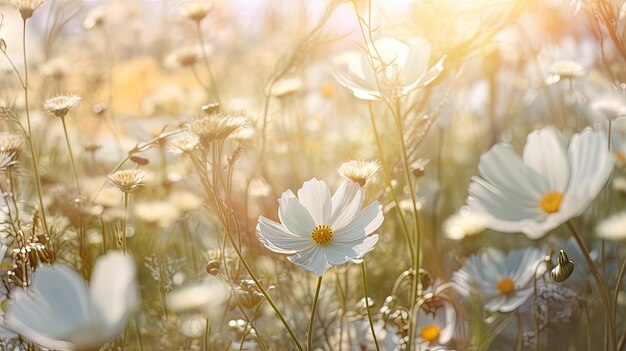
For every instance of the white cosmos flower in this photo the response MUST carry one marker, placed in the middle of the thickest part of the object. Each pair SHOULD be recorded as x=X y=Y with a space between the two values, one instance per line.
x=504 y=281
x=400 y=68
x=319 y=230
x=59 y=311
x=613 y=228
x=550 y=184
x=435 y=326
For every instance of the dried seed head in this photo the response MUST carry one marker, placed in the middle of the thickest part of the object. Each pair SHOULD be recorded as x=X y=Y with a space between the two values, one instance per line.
x=359 y=171
x=183 y=144
x=99 y=109
x=216 y=126
x=27 y=7
x=213 y=267
x=7 y=159
x=195 y=10
x=10 y=142
x=127 y=180
x=60 y=105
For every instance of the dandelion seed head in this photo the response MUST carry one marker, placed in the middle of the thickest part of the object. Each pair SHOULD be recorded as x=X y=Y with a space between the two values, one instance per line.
x=359 y=171
x=60 y=105
x=127 y=180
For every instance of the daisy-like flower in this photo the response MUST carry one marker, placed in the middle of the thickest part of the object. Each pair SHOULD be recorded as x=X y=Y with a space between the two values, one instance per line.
x=320 y=231
x=359 y=171
x=396 y=69
x=613 y=228
x=59 y=311
x=436 y=325
x=504 y=281
x=216 y=126
x=565 y=69
x=27 y=7
x=60 y=105
x=183 y=144
x=610 y=107
x=195 y=10
x=127 y=180
x=550 y=184
x=464 y=223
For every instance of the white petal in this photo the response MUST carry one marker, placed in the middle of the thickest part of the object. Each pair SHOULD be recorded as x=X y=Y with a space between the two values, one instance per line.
x=315 y=196
x=114 y=290
x=367 y=245
x=347 y=201
x=365 y=223
x=506 y=171
x=56 y=306
x=278 y=239
x=298 y=219
x=312 y=259
x=546 y=153
x=282 y=204
x=591 y=166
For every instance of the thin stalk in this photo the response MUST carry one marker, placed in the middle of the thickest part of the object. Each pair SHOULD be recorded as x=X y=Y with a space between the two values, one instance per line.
x=205 y=57
x=599 y=283
x=263 y=291
x=309 y=337
x=519 y=332
x=69 y=148
x=125 y=221
x=30 y=134
x=618 y=284
x=367 y=305
x=139 y=335
x=588 y=328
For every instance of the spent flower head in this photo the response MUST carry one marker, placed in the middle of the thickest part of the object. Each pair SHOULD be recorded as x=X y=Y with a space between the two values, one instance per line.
x=7 y=159
x=27 y=7
x=127 y=180
x=359 y=171
x=11 y=142
x=195 y=10
x=60 y=105
x=185 y=143
x=216 y=126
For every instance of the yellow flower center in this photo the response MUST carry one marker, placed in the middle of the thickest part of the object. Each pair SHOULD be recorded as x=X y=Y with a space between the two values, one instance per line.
x=322 y=234
x=328 y=90
x=551 y=201
x=430 y=333
x=506 y=286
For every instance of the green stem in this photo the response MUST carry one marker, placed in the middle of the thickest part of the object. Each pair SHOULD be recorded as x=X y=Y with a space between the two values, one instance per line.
x=69 y=148
x=599 y=283
x=309 y=337
x=367 y=305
